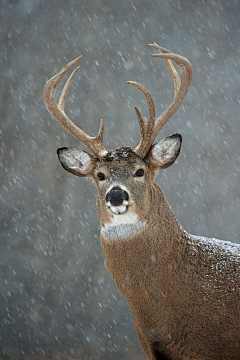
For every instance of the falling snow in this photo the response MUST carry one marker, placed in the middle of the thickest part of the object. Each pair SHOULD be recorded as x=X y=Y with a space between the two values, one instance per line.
x=57 y=298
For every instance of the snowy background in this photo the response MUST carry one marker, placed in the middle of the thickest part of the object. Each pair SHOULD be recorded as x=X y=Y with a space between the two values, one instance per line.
x=58 y=300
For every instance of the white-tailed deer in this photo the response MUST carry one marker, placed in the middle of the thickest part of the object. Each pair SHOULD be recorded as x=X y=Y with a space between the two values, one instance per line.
x=183 y=290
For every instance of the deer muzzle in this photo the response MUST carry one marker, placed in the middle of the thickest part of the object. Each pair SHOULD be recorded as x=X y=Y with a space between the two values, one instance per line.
x=117 y=200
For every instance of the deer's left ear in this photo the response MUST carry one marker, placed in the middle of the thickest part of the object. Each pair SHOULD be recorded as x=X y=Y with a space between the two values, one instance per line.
x=165 y=152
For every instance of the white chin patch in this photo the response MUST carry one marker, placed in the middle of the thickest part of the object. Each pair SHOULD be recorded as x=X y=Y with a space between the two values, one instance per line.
x=121 y=214
x=121 y=209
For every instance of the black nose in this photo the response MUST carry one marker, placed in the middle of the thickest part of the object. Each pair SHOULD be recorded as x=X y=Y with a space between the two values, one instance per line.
x=116 y=196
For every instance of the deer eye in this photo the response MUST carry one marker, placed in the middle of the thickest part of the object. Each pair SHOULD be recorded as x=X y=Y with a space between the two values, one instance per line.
x=139 y=173
x=101 y=176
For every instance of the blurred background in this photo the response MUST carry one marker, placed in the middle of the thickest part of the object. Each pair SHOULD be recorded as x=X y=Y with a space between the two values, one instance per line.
x=57 y=299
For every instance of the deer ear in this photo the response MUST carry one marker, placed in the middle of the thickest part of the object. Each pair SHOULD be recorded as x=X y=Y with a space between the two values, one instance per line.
x=78 y=162
x=165 y=152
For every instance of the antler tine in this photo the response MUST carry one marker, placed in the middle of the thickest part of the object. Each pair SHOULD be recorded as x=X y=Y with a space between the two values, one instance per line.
x=146 y=128
x=140 y=120
x=171 y=67
x=65 y=90
x=181 y=87
x=57 y=110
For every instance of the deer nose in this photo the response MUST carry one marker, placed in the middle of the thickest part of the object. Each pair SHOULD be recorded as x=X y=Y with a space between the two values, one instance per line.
x=116 y=196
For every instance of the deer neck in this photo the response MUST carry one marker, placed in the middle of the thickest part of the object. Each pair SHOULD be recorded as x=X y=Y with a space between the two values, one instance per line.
x=152 y=243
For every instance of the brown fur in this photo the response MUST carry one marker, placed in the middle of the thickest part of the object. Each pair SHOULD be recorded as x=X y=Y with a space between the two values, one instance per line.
x=183 y=293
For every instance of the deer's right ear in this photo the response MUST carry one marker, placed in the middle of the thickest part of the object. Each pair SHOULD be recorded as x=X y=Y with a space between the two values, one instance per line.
x=78 y=162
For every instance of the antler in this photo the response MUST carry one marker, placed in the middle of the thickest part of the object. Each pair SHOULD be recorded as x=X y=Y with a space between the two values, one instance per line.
x=57 y=110
x=150 y=130
x=146 y=129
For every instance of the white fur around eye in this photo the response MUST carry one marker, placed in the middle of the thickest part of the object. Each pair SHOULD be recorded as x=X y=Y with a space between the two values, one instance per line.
x=76 y=160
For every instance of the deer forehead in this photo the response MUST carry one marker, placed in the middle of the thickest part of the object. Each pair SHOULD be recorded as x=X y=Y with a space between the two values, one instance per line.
x=120 y=162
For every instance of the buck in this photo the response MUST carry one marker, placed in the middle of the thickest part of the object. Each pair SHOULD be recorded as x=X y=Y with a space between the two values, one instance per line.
x=183 y=290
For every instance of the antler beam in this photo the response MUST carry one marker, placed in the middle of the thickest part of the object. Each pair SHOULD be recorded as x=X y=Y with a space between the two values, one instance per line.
x=150 y=130
x=57 y=110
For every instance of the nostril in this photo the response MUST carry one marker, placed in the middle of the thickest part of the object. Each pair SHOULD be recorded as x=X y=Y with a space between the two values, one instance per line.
x=125 y=195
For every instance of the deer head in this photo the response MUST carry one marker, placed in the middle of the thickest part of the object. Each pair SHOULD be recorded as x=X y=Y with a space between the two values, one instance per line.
x=123 y=177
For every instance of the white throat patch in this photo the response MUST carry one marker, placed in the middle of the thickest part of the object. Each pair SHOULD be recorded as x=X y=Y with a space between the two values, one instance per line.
x=123 y=231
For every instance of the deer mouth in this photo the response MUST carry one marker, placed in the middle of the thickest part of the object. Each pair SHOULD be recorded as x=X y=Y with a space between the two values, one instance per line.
x=118 y=209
